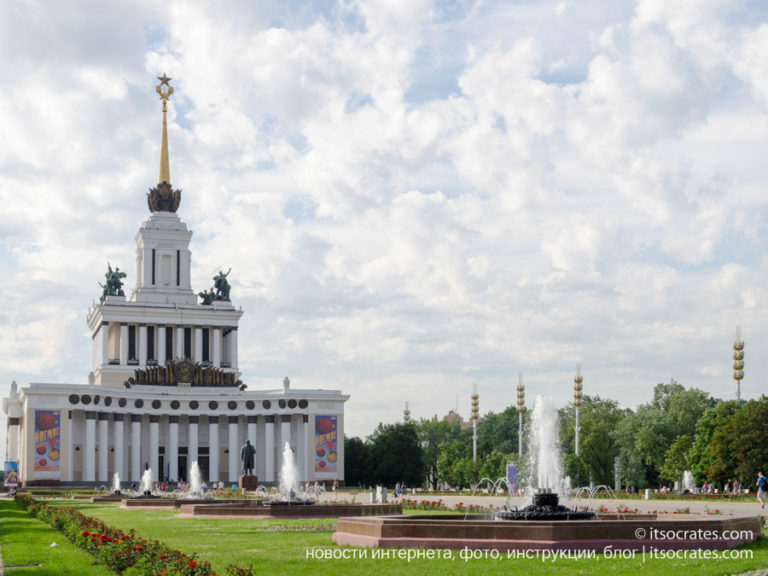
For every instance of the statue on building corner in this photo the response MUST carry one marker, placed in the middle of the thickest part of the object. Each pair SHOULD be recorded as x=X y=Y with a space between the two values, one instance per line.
x=221 y=285
x=208 y=296
x=114 y=285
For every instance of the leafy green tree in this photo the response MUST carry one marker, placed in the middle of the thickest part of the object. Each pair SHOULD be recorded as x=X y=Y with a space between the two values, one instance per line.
x=455 y=465
x=355 y=458
x=701 y=457
x=675 y=460
x=740 y=447
x=433 y=433
x=598 y=447
x=395 y=455
x=645 y=436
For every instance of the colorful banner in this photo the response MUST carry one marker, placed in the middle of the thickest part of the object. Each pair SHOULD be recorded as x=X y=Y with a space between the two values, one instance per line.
x=11 y=477
x=512 y=477
x=47 y=443
x=326 y=452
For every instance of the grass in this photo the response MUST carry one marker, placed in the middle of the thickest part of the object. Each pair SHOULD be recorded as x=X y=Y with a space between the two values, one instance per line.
x=279 y=546
x=26 y=542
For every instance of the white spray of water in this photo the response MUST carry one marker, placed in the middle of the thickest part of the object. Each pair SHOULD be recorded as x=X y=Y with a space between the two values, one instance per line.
x=116 y=483
x=687 y=480
x=545 y=468
x=195 y=480
x=146 y=481
x=289 y=475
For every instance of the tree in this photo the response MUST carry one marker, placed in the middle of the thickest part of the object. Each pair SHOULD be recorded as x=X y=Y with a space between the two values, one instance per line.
x=355 y=457
x=701 y=456
x=395 y=455
x=433 y=433
x=740 y=447
x=598 y=447
x=455 y=465
x=675 y=460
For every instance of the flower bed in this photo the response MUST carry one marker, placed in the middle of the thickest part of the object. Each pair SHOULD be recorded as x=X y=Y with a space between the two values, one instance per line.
x=124 y=553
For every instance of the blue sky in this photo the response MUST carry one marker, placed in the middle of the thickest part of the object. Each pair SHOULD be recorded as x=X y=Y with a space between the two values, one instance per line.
x=413 y=196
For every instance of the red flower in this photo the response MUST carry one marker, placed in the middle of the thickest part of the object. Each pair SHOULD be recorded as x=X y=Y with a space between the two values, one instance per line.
x=192 y=564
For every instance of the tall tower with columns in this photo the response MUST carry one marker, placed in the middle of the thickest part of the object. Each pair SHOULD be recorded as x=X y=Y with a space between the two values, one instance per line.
x=165 y=389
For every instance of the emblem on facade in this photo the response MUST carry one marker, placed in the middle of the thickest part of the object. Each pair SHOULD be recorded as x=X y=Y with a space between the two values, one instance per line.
x=184 y=371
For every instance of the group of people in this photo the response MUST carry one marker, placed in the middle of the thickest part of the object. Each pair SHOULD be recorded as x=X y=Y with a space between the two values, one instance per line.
x=400 y=489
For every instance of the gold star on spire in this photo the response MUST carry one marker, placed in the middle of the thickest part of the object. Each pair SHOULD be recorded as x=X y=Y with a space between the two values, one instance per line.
x=165 y=169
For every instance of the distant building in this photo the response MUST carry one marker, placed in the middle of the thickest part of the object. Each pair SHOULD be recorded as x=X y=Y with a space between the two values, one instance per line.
x=165 y=389
x=454 y=417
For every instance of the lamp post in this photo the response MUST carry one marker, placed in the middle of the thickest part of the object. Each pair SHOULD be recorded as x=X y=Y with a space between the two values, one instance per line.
x=406 y=413
x=738 y=362
x=520 y=410
x=474 y=416
x=577 y=401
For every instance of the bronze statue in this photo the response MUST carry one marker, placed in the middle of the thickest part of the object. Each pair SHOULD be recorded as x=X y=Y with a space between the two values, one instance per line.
x=114 y=285
x=246 y=455
x=221 y=285
x=208 y=296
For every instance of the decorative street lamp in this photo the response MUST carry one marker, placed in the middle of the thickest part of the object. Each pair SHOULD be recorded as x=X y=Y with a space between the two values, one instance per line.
x=474 y=416
x=520 y=410
x=406 y=413
x=738 y=362
x=577 y=401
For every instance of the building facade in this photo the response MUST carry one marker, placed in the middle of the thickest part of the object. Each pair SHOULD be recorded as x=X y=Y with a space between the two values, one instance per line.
x=165 y=389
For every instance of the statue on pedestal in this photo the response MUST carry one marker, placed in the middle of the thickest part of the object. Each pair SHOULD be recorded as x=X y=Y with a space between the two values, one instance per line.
x=114 y=285
x=246 y=455
x=221 y=285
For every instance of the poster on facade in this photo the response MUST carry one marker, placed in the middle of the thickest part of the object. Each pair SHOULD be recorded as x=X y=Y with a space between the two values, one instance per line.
x=47 y=443
x=512 y=478
x=326 y=452
x=11 y=477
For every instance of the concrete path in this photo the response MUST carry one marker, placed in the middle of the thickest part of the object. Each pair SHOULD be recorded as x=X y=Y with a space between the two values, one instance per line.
x=713 y=506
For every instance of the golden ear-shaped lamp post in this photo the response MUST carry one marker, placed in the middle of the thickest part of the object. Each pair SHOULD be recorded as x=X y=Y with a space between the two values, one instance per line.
x=475 y=414
x=577 y=401
x=520 y=410
x=738 y=362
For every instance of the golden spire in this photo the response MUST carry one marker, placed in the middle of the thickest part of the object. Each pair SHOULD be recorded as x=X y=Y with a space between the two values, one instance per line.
x=165 y=168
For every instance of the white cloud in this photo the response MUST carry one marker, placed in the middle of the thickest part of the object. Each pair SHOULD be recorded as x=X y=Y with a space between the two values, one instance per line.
x=412 y=196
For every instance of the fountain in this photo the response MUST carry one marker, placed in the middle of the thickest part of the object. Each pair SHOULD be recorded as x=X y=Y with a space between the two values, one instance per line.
x=687 y=487
x=146 y=488
x=545 y=525
x=546 y=471
x=195 y=490
x=289 y=477
x=116 y=484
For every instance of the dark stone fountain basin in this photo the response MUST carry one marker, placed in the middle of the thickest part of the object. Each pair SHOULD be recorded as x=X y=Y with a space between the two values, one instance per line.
x=546 y=506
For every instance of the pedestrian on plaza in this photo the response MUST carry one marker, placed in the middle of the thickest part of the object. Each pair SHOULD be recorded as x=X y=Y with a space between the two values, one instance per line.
x=762 y=488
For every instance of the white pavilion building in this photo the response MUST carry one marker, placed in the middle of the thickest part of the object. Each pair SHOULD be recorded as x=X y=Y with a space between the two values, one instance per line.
x=165 y=389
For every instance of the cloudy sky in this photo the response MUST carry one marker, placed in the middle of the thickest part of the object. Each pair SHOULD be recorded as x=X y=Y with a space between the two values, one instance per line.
x=414 y=196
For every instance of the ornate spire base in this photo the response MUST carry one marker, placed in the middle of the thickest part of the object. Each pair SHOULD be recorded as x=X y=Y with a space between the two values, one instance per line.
x=163 y=198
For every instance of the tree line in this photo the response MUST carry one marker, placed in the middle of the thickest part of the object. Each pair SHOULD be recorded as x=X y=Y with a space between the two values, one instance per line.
x=679 y=429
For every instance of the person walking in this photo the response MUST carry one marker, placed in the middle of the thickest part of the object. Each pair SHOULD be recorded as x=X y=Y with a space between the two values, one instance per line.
x=762 y=488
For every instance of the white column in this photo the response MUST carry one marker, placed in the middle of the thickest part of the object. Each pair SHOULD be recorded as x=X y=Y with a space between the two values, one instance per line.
x=269 y=447
x=216 y=335
x=89 y=449
x=161 y=345
x=105 y=342
x=233 y=348
x=154 y=445
x=234 y=449
x=103 y=475
x=69 y=456
x=180 y=342
x=198 y=344
x=136 y=468
x=123 y=343
x=119 y=427
x=301 y=447
x=252 y=432
x=142 y=344
x=13 y=438
x=213 y=448
x=192 y=449
x=173 y=448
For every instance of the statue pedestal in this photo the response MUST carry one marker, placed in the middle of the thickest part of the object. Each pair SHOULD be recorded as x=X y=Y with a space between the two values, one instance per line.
x=250 y=483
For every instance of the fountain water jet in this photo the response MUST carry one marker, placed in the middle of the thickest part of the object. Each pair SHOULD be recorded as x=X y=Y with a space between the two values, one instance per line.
x=145 y=487
x=116 y=484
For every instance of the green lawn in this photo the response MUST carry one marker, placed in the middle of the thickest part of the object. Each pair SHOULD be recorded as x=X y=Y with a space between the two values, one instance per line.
x=280 y=547
x=26 y=542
